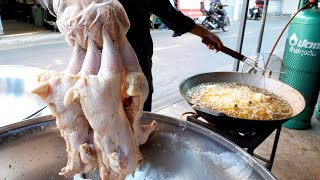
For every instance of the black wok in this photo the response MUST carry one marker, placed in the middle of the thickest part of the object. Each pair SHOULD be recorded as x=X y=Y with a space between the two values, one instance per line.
x=219 y=119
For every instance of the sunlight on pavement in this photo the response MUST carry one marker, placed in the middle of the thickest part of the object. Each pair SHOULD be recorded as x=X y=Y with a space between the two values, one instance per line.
x=58 y=61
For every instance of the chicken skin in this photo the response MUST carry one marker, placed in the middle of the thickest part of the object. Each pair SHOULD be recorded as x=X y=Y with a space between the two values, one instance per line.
x=98 y=100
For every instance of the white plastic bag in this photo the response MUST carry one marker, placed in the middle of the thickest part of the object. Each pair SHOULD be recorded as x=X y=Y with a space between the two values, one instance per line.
x=80 y=19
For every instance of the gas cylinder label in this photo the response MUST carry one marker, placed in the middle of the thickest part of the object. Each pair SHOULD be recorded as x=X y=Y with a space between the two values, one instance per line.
x=303 y=47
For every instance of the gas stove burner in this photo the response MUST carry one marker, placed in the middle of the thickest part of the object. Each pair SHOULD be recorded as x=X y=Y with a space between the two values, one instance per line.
x=242 y=134
x=236 y=132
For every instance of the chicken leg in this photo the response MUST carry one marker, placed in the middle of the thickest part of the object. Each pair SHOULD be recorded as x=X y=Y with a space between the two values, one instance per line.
x=70 y=120
x=136 y=90
x=76 y=60
x=100 y=96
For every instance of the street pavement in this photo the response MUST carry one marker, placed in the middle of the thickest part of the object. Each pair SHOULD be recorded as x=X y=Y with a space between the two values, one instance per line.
x=177 y=58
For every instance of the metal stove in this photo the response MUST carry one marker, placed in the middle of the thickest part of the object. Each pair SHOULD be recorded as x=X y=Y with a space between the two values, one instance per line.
x=248 y=140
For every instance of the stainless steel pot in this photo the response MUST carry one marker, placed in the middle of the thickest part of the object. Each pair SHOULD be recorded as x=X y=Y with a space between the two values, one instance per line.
x=177 y=149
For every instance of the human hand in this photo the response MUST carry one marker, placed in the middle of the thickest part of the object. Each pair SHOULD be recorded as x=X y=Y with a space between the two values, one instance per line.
x=216 y=42
x=202 y=32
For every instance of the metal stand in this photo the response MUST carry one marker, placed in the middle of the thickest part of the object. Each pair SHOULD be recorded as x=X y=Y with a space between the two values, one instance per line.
x=263 y=22
x=269 y=162
x=242 y=29
x=1 y=27
x=247 y=140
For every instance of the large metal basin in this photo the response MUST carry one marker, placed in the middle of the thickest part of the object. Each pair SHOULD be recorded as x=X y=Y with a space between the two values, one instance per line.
x=16 y=100
x=33 y=150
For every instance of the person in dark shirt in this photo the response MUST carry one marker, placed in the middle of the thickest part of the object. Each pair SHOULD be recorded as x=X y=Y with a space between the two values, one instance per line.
x=260 y=3
x=138 y=12
x=216 y=7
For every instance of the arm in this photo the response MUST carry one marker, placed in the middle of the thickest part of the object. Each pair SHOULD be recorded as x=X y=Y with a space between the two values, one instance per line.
x=203 y=32
x=170 y=16
x=178 y=22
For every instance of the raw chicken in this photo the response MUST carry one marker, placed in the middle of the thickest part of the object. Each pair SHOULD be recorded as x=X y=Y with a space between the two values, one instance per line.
x=107 y=91
x=76 y=61
x=135 y=89
x=78 y=20
x=70 y=120
x=100 y=96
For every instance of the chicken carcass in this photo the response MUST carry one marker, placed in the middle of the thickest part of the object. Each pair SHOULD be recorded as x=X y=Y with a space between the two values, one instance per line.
x=135 y=90
x=100 y=96
x=70 y=120
x=111 y=91
x=79 y=19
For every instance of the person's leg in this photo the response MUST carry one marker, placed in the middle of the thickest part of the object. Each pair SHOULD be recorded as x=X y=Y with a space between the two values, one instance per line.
x=260 y=10
x=222 y=14
x=251 y=12
x=221 y=19
x=147 y=72
x=148 y=103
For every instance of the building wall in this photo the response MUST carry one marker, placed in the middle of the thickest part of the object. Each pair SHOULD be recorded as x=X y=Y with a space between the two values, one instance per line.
x=290 y=6
x=234 y=8
x=274 y=8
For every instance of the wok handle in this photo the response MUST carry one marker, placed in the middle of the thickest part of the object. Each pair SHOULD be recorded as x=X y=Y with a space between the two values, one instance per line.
x=210 y=112
x=224 y=49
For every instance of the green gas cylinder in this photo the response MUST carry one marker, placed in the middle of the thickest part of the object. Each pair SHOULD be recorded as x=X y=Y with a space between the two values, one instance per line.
x=317 y=111
x=302 y=61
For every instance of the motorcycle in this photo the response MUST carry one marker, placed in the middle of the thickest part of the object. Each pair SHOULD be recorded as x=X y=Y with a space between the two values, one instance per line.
x=255 y=12
x=215 y=18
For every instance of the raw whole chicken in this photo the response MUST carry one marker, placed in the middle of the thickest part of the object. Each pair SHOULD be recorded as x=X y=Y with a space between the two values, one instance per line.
x=70 y=120
x=100 y=96
x=98 y=100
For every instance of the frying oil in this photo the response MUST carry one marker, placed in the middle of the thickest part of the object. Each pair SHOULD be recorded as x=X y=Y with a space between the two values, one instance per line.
x=239 y=101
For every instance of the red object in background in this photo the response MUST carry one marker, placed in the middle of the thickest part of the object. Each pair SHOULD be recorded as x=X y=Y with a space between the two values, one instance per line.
x=190 y=8
x=313 y=1
x=260 y=3
x=193 y=13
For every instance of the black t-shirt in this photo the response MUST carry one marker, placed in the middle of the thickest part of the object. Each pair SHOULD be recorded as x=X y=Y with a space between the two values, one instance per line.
x=139 y=36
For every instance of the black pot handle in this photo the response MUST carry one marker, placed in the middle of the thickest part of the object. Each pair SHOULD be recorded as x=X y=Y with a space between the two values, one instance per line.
x=211 y=112
x=224 y=49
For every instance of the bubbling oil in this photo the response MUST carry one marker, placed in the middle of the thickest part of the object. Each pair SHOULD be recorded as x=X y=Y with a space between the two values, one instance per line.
x=239 y=101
